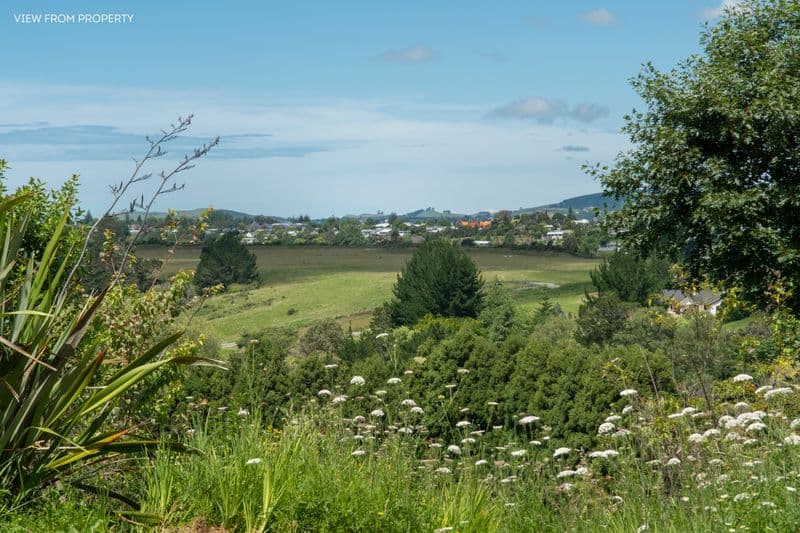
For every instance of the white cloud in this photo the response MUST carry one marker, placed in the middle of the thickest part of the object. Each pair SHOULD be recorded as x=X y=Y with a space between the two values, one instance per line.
x=545 y=110
x=718 y=11
x=414 y=54
x=380 y=155
x=599 y=17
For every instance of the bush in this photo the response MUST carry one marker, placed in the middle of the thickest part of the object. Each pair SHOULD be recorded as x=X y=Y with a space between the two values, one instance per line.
x=439 y=279
x=225 y=260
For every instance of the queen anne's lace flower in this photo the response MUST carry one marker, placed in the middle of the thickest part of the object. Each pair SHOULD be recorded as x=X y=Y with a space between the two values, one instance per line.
x=561 y=451
x=605 y=428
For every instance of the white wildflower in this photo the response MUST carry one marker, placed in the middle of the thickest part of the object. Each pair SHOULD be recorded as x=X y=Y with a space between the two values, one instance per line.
x=628 y=392
x=357 y=380
x=408 y=372
x=561 y=451
x=455 y=450
x=468 y=440
x=481 y=462
x=408 y=402
x=492 y=404
x=674 y=461
x=442 y=470
x=339 y=399
x=358 y=453
x=323 y=392
x=740 y=378
x=394 y=381
x=463 y=423
x=741 y=406
x=253 y=461
x=713 y=432
x=566 y=473
x=518 y=453
x=582 y=471
x=331 y=366
x=764 y=388
x=756 y=426
x=781 y=391
x=794 y=424
x=243 y=412
x=792 y=439
x=605 y=428
x=627 y=409
x=741 y=497
x=696 y=438
x=530 y=419
x=417 y=410
x=377 y=413
x=613 y=418
x=463 y=370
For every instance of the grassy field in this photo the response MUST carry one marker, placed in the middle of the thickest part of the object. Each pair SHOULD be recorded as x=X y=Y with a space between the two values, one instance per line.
x=302 y=284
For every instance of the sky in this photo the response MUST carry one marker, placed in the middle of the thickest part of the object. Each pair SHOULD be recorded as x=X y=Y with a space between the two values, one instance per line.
x=333 y=108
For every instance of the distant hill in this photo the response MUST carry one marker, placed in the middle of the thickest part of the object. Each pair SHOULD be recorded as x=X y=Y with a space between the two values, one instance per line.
x=191 y=213
x=586 y=201
x=583 y=207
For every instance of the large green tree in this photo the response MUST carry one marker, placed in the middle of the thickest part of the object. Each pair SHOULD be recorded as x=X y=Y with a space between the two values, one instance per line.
x=226 y=260
x=439 y=279
x=631 y=278
x=713 y=177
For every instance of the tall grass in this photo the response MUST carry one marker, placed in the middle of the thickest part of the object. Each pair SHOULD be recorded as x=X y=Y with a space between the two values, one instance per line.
x=326 y=473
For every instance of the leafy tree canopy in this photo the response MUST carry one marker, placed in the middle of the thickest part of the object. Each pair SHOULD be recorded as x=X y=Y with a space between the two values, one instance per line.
x=631 y=278
x=439 y=279
x=713 y=176
x=226 y=260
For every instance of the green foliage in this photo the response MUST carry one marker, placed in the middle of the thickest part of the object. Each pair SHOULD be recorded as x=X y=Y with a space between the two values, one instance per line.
x=632 y=279
x=54 y=401
x=439 y=279
x=600 y=318
x=323 y=337
x=712 y=177
x=225 y=260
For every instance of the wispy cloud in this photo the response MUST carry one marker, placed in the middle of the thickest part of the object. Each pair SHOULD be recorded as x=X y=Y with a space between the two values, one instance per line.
x=714 y=12
x=321 y=157
x=574 y=148
x=545 y=110
x=108 y=143
x=599 y=17
x=418 y=53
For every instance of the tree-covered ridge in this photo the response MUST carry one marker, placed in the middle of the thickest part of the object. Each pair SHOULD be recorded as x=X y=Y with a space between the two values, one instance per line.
x=712 y=178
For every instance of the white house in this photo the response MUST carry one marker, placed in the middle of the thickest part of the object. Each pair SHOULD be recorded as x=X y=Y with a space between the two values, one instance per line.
x=679 y=303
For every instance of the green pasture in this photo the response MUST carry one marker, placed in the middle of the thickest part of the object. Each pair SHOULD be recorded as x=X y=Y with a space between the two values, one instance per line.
x=302 y=284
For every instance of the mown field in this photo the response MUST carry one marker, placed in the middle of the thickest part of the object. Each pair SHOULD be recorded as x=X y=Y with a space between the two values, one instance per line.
x=302 y=284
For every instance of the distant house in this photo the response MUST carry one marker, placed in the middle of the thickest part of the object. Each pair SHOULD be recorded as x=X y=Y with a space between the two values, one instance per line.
x=557 y=235
x=435 y=229
x=609 y=247
x=482 y=244
x=480 y=224
x=679 y=303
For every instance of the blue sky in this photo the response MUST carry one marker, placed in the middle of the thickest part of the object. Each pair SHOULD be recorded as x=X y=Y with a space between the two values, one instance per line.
x=336 y=107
